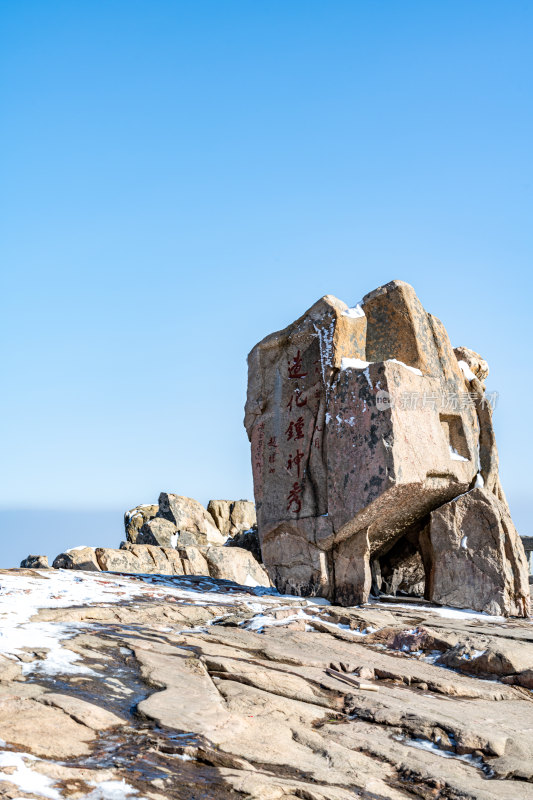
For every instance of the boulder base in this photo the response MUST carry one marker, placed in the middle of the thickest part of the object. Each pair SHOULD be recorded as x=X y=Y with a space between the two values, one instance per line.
x=476 y=557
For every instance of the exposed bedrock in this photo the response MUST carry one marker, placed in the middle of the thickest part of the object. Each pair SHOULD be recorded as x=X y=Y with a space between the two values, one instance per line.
x=365 y=427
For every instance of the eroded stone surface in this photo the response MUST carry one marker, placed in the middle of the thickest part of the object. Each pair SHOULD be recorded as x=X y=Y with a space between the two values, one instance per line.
x=78 y=558
x=220 y=678
x=233 y=516
x=362 y=422
x=189 y=515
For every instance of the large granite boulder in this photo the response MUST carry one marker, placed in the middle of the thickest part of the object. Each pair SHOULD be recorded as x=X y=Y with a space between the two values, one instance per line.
x=77 y=558
x=189 y=515
x=363 y=421
x=233 y=516
x=236 y=564
x=475 y=555
x=135 y=519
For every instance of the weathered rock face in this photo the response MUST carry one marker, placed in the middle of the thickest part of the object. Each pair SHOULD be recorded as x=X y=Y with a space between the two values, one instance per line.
x=138 y=558
x=189 y=515
x=158 y=531
x=233 y=516
x=476 y=557
x=236 y=564
x=135 y=519
x=233 y=564
x=362 y=422
x=77 y=558
x=35 y=562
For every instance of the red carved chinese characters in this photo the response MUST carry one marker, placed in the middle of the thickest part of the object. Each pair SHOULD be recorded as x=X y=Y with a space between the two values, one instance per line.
x=297 y=399
x=294 y=498
x=273 y=445
x=295 y=461
x=295 y=429
x=295 y=367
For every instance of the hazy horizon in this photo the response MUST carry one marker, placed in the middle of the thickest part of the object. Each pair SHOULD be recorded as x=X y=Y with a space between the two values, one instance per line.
x=60 y=529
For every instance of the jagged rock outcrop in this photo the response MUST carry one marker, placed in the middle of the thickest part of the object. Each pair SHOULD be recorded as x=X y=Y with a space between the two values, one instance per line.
x=189 y=515
x=363 y=421
x=135 y=519
x=233 y=516
x=182 y=518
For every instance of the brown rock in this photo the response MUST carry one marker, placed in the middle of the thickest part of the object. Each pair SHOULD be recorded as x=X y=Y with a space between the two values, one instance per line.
x=357 y=435
x=474 y=362
x=248 y=540
x=140 y=559
x=236 y=564
x=89 y=714
x=42 y=730
x=158 y=531
x=135 y=519
x=478 y=560
x=77 y=558
x=233 y=516
x=193 y=559
x=189 y=515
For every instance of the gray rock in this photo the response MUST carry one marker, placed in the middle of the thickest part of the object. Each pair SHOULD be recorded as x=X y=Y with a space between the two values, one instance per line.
x=35 y=562
x=362 y=422
x=477 y=558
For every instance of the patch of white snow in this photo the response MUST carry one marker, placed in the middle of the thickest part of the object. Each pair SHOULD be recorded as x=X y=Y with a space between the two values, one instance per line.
x=465 y=369
x=414 y=370
x=354 y=363
x=354 y=312
x=455 y=456
x=25 y=778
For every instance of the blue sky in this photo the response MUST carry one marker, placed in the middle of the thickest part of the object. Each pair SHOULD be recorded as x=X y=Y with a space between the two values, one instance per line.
x=181 y=178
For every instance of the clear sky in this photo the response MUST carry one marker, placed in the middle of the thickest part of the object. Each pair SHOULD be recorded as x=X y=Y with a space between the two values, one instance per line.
x=179 y=179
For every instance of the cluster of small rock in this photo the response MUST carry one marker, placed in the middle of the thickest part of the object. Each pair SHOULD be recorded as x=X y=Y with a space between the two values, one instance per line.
x=177 y=536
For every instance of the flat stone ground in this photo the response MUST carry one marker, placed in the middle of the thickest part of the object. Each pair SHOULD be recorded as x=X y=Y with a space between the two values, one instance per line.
x=150 y=687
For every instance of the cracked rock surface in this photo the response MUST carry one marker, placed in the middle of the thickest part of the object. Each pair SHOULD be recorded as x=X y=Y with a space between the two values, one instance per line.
x=189 y=687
